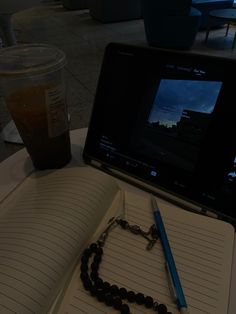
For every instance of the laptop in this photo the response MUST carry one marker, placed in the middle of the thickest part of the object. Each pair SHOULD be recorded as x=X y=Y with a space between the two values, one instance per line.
x=165 y=121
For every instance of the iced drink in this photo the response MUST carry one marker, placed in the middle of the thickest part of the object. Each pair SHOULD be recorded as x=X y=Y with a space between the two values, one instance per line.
x=35 y=96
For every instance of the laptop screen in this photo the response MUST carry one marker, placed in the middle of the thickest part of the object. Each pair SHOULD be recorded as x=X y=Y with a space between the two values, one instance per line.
x=168 y=119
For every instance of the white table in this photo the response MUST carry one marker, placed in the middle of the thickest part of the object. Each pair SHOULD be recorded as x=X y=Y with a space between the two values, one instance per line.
x=15 y=168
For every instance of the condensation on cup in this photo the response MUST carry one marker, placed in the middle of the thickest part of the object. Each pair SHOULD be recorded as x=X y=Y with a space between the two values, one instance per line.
x=32 y=80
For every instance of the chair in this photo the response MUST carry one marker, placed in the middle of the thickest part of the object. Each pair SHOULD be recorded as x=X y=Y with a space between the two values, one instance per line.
x=7 y=8
x=109 y=11
x=170 y=23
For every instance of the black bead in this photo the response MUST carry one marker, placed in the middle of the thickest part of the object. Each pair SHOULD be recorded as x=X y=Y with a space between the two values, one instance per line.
x=97 y=259
x=148 y=302
x=93 y=247
x=124 y=309
x=139 y=298
x=99 y=283
x=131 y=296
x=109 y=300
x=169 y=312
x=93 y=290
x=106 y=286
x=87 y=284
x=84 y=259
x=84 y=276
x=123 y=293
x=117 y=303
x=162 y=309
x=94 y=275
x=94 y=267
x=100 y=295
x=87 y=252
x=123 y=223
x=114 y=290
x=84 y=267
x=99 y=251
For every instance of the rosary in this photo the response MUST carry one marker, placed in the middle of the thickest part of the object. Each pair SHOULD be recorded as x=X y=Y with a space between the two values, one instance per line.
x=111 y=294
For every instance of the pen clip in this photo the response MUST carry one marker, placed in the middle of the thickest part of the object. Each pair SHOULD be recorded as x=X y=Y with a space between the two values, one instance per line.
x=170 y=284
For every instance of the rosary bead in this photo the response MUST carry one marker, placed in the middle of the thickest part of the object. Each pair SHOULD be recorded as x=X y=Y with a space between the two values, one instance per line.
x=84 y=259
x=100 y=295
x=162 y=309
x=109 y=300
x=99 y=283
x=123 y=293
x=114 y=290
x=87 y=252
x=124 y=309
x=139 y=298
x=148 y=302
x=93 y=290
x=94 y=267
x=97 y=259
x=131 y=296
x=123 y=223
x=94 y=275
x=117 y=303
x=87 y=284
x=106 y=286
x=99 y=251
x=84 y=276
x=93 y=247
x=84 y=267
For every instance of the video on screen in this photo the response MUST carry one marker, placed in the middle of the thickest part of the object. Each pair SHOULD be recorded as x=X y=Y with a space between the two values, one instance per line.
x=178 y=119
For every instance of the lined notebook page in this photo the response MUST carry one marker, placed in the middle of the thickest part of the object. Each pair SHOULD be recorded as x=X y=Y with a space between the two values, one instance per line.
x=202 y=248
x=43 y=224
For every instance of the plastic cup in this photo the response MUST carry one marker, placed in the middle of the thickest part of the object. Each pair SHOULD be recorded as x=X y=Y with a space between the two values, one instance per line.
x=32 y=80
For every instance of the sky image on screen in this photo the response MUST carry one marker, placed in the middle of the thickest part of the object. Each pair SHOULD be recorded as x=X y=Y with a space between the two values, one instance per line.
x=179 y=117
x=174 y=97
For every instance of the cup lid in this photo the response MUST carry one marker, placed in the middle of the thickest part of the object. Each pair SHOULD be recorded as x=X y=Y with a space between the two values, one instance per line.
x=30 y=59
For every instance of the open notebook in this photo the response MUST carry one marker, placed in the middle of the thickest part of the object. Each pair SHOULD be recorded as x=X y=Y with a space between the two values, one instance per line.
x=53 y=215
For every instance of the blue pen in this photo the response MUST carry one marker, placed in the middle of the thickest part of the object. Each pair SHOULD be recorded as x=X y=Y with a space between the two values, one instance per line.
x=177 y=288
